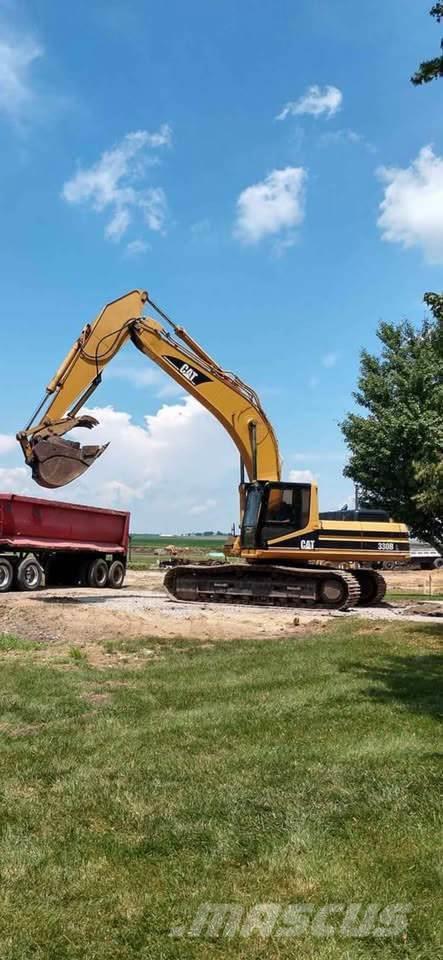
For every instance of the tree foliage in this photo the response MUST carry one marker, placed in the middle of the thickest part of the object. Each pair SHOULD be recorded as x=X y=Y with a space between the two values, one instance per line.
x=397 y=447
x=430 y=69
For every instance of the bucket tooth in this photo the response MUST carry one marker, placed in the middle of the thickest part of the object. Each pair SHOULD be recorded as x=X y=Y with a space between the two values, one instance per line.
x=56 y=462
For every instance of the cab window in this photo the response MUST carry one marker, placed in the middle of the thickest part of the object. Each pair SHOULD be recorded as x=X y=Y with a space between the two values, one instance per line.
x=288 y=507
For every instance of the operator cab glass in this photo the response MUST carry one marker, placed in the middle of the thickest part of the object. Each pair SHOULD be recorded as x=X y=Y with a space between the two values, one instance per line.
x=254 y=500
x=273 y=510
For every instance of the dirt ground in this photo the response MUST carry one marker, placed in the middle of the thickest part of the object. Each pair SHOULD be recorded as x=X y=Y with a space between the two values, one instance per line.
x=66 y=617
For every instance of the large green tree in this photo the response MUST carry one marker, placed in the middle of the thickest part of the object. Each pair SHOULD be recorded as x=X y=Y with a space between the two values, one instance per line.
x=396 y=449
x=430 y=69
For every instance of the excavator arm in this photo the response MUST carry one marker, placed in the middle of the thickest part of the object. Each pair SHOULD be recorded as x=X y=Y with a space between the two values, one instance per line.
x=55 y=461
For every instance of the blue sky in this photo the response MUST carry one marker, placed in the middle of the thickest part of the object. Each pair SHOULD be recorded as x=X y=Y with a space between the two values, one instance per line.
x=283 y=192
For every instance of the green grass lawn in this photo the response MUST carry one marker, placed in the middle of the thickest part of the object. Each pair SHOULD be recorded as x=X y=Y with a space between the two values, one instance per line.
x=296 y=771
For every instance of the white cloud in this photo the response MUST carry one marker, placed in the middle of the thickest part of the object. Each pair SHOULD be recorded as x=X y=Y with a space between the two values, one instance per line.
x=17 y=480
x=154 y=207
x=136 y=247
x=7 y=443
x=175 y=466
x=179 y=458
x=329 y=360
x=411 y=212
x=315 y=101
x=119 y=224
x=111 y=184
x=177 y=463
x=302 y=476
x=273 y=205
x=284 y=242
x=346 y=135
x=17 y=55
x=204 y=507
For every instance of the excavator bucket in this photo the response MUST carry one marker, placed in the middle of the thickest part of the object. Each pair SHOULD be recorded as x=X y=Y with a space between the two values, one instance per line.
x=56 y=462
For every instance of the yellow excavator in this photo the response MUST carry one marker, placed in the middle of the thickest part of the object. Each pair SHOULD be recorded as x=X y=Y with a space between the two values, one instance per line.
x=294 y=555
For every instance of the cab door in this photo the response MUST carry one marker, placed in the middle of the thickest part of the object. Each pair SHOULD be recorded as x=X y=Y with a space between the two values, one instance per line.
x=285 y=511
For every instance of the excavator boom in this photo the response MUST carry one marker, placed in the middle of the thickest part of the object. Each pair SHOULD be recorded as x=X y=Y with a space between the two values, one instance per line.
x=56 y=461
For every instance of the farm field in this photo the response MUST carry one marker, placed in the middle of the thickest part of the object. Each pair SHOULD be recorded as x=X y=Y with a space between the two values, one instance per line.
x=145 y=550
x=149 y=541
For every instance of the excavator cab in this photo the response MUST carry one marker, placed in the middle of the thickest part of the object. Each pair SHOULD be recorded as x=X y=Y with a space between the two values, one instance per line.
x=274 y=510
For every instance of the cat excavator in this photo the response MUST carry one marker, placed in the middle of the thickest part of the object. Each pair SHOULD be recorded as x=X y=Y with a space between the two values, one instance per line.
x=294 y=555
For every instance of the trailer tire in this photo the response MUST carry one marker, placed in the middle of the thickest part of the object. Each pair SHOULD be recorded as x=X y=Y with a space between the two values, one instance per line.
x=6 y=575
x=29 y=575
x=438 y=563
x=116 y=574
x=97 y=573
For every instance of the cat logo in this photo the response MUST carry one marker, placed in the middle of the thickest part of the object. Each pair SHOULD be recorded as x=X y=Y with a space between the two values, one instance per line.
x=307 y=544
x=188 y=372
x=194 y=377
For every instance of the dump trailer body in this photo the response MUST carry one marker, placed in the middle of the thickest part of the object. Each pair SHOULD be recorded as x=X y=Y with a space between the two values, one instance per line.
x=73 y=544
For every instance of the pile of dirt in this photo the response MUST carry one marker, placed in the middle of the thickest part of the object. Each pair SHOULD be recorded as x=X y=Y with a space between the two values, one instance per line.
x=419 y=608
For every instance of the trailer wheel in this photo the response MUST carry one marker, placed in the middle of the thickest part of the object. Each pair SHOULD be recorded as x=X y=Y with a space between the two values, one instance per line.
x=6 y=575
x=97 y=573
x=29 y=575
x=438 y=563
x=116 y=574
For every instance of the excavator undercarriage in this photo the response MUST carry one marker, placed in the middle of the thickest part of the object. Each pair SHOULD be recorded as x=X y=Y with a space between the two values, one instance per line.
x=274 y=585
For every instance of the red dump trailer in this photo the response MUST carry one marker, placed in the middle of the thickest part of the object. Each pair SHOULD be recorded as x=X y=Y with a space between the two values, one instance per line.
x=64 y=544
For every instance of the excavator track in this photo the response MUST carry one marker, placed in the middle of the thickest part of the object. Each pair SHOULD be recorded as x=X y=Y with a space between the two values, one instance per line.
x=372 y=587
x=268 y=585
